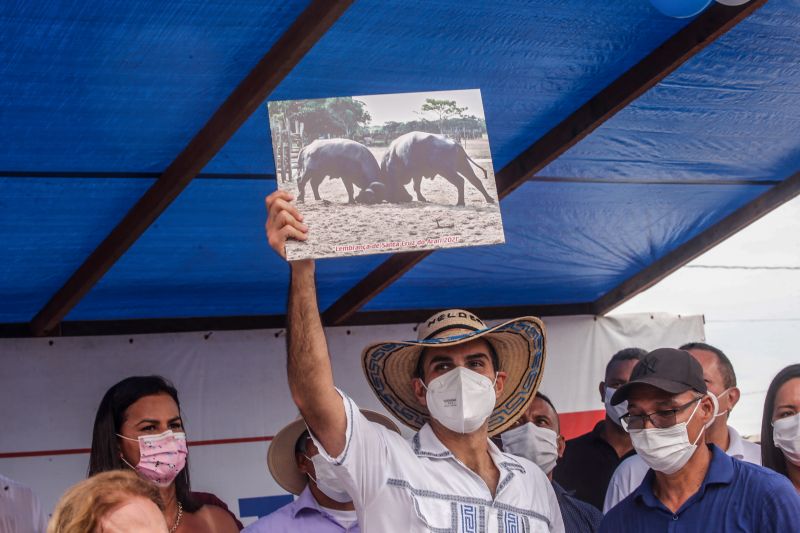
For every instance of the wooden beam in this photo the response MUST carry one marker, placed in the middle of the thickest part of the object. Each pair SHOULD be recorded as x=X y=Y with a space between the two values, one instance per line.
x=301 y=36
x=80 y=328
x=698 y=34
x=736 y=182
x=736 y=221
x=342 y=310
x=704 y=30
x=417 y=316
x=246 y=176
x=71 y=174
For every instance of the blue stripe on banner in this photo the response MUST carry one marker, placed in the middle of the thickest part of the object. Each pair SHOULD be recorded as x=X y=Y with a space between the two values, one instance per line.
x=263 y=505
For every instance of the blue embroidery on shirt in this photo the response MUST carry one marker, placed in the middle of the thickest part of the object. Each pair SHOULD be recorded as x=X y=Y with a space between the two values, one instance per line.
x=394 y=482
x=511 y=522
x=417 y=446
x=468 y=522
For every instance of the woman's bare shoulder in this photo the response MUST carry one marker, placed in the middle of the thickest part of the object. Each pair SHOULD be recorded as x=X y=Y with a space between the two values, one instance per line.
x=216 y=519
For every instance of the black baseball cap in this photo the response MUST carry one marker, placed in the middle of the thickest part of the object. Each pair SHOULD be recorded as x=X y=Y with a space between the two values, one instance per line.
x=668 y=369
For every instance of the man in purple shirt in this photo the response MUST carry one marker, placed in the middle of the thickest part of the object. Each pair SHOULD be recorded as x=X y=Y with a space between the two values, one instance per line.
x=321 y=506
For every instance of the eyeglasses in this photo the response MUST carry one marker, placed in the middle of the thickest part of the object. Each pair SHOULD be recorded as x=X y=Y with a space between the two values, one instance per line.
x=660 y=419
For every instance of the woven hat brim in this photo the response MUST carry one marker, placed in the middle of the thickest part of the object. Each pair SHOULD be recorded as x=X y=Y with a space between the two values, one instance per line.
x=281 y=460
x=520 y=346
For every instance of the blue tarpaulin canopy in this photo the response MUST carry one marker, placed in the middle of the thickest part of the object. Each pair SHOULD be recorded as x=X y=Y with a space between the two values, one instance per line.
x=627 y=143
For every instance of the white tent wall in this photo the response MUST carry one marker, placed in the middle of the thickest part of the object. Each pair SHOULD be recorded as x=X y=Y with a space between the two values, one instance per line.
x=232 y=386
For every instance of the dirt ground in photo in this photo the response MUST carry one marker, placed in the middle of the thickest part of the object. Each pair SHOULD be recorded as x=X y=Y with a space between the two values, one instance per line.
x=338 y=229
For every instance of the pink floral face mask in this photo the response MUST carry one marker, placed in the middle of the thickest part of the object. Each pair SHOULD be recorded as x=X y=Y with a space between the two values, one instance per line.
x=161 y=457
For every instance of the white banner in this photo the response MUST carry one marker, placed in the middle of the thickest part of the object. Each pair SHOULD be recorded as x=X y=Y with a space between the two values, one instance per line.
x=232 y=387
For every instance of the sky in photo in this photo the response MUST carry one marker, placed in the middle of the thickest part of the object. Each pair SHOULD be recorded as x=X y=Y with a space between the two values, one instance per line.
x=401 y=107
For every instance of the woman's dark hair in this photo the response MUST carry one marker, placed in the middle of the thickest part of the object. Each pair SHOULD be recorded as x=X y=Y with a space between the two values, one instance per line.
x=106 y=453
x=771 y=456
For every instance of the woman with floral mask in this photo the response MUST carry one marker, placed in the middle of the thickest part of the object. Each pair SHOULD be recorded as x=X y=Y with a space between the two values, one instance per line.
x=780 y=425
x=138 y=427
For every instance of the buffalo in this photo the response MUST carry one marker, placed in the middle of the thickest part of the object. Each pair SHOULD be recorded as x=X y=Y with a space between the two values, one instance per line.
x=347 y=160
x=418 y=155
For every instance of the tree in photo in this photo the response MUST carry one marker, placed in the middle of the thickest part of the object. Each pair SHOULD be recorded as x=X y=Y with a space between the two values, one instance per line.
x=350 y=115
x=442 y=110
x=326 y=117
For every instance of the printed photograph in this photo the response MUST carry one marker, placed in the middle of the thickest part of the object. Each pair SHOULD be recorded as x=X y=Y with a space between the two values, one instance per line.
x=387 y=173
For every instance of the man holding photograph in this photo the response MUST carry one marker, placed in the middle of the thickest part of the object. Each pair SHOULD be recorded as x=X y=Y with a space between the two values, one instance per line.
x=458 y=383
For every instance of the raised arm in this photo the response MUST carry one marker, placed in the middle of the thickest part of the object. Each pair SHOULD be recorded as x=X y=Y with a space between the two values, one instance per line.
x=308 y=362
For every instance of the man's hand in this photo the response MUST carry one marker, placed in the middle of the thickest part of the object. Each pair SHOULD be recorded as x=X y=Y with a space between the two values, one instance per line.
x=284 y=222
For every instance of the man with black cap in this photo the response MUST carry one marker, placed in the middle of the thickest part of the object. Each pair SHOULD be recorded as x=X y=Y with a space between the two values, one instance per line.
x=691 y=486
x=458 y=383
x=720 y=378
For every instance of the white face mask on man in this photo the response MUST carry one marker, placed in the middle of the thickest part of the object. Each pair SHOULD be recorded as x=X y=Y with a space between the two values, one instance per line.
x=461 y=400
x=718 y=398
x=326 y=480
x=667 y=450
x=614 y=411
x=534 y=443
x=786 y=435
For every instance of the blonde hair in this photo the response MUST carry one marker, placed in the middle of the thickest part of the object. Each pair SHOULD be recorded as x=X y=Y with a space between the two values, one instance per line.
x=82 y=507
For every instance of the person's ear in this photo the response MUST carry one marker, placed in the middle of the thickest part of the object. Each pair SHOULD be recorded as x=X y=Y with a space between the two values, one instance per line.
x=733 y=397
x=602 y=389
x=561 y=445
x=500 y=383
x=706 y=409
x=304 y=465
x=419 y=391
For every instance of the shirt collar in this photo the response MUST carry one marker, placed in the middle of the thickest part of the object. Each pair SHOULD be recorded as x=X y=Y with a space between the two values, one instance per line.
x=598 y=432
x=305 y=500
x=426 y=444
x=735 y=446
x=720 y=472
x=558 y=489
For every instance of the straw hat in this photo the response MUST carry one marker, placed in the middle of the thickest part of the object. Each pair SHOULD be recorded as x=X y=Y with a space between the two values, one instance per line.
x=281 y=459
x=518 y=343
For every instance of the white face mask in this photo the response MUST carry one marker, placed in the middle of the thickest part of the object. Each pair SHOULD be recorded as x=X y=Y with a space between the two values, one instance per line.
x=614 y=411
x=666 y=450
x=534 y=443
x=786 y=435
x=327 y=481
x=718 y=398
x=461 y=400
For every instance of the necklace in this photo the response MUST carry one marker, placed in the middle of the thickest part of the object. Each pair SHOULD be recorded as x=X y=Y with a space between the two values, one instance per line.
x=177 y=518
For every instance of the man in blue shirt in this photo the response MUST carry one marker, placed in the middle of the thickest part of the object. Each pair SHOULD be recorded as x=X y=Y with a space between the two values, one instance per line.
x=691 y=486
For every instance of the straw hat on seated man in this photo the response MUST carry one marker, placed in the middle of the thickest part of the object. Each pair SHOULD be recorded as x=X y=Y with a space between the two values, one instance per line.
x=322 y=505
